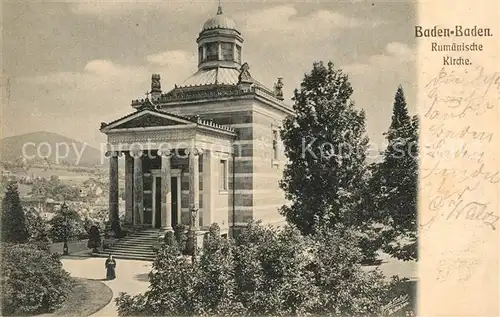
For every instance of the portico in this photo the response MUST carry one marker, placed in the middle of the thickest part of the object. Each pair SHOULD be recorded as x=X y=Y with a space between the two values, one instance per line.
x=160 y=149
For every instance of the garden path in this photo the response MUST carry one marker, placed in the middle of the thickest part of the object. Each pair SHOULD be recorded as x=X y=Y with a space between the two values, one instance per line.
x=132 y=277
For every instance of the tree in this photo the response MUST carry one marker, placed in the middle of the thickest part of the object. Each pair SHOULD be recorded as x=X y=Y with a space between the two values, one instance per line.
x=326 y=145
x=264 y=272
x=94 y=239
x=37 y=227
x=70 y=222
x=14 y=227
x=394 y=186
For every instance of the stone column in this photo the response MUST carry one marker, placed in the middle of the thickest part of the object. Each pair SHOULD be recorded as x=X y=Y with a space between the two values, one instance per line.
x=209 y=186
x=138 y=188
x=129 y=185
x=166 y=190
x=113 y=215
x=194 y=186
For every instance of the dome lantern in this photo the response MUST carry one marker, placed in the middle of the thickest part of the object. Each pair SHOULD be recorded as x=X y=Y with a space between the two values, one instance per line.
x=219 y=43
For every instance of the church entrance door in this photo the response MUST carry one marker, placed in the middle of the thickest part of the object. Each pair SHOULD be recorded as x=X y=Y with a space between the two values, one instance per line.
x=174 y=204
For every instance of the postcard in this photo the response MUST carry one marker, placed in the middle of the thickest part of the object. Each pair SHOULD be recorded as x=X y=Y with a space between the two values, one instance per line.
x=250 y=158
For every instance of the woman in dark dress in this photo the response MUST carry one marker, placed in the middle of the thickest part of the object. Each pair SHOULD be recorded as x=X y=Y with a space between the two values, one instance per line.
x=110 y=268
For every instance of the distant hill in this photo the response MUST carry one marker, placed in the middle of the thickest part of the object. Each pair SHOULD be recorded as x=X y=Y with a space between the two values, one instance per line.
x=41 y=145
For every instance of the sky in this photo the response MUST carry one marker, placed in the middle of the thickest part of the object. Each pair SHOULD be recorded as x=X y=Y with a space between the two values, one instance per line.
x=68 y=66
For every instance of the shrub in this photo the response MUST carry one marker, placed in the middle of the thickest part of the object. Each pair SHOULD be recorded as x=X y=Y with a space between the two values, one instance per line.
x=75 y=227
x=265 y=271
x=180 y=234
x=33 y=280
x=94 y=239
x=14 y=227
x=37 y=227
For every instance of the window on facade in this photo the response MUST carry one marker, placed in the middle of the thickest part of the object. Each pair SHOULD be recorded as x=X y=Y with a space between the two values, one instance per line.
x=238 y=54
x=223 y=175
x=200 y=54
x=212 y=51
x=275 y=145
x=227 y=51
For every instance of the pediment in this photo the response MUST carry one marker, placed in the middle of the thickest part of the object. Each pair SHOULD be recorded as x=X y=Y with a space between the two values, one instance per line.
x=147 y=119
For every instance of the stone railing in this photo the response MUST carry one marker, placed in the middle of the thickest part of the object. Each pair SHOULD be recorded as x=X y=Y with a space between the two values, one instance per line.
x=208 y=92
x=214 y=125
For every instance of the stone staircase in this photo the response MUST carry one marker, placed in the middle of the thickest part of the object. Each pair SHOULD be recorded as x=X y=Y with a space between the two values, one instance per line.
x=136 y=246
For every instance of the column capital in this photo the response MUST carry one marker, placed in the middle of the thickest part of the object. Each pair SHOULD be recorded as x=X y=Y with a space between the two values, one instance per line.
x=136 y=153
x=194 y=151
x=165 y=152
x=113 y=154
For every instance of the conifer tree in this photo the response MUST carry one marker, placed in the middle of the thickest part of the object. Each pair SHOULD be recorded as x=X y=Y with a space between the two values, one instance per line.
x=14 y=228
x=326 y=146
x=394 y=187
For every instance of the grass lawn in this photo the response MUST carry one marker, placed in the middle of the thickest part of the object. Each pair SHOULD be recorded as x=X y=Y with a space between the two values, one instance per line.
x=86 y=298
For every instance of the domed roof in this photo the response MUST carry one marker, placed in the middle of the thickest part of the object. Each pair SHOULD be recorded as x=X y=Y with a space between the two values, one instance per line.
x=219 y=21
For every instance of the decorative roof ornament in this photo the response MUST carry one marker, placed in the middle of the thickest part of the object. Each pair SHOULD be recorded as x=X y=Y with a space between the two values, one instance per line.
x=244 y=76
x=245 y=80
x=155 y=85
x=278 y=88
x=219 y=9
x=147 y=103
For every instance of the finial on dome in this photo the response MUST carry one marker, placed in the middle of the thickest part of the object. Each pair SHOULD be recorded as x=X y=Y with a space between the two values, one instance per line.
x=219 y=9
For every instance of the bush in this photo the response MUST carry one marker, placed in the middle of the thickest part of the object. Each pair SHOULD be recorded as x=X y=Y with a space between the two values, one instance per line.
x=75 y=228
x=265 y=271
x=37 y=227
x=33 y=280
x=180 y=234
x=94 y=239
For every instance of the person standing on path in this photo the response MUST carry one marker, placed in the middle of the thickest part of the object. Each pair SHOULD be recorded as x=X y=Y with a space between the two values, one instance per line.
x=110 y=268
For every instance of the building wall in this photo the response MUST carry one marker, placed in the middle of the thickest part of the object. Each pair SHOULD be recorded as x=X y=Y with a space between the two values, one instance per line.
x=256 y=191
x=267 y=171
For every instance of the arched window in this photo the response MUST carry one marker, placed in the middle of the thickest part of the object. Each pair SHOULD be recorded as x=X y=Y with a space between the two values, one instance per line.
x=227 y=51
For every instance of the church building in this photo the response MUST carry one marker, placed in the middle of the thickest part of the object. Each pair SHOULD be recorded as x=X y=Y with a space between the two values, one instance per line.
x=206 y=151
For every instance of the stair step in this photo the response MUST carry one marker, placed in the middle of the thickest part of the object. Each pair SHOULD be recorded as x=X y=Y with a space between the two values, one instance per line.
x=132 y=249
x=142 y=236
x=150 y=254
x=129 y=257
x=138 y=240
x=146 y=254
x=133 y=245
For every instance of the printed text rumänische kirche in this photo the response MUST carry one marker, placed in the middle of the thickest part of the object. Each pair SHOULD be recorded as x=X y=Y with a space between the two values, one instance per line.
x=458 y=31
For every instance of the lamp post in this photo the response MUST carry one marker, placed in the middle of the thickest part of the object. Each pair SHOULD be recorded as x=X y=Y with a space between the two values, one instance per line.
x=192 y=233
x=64 y=210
